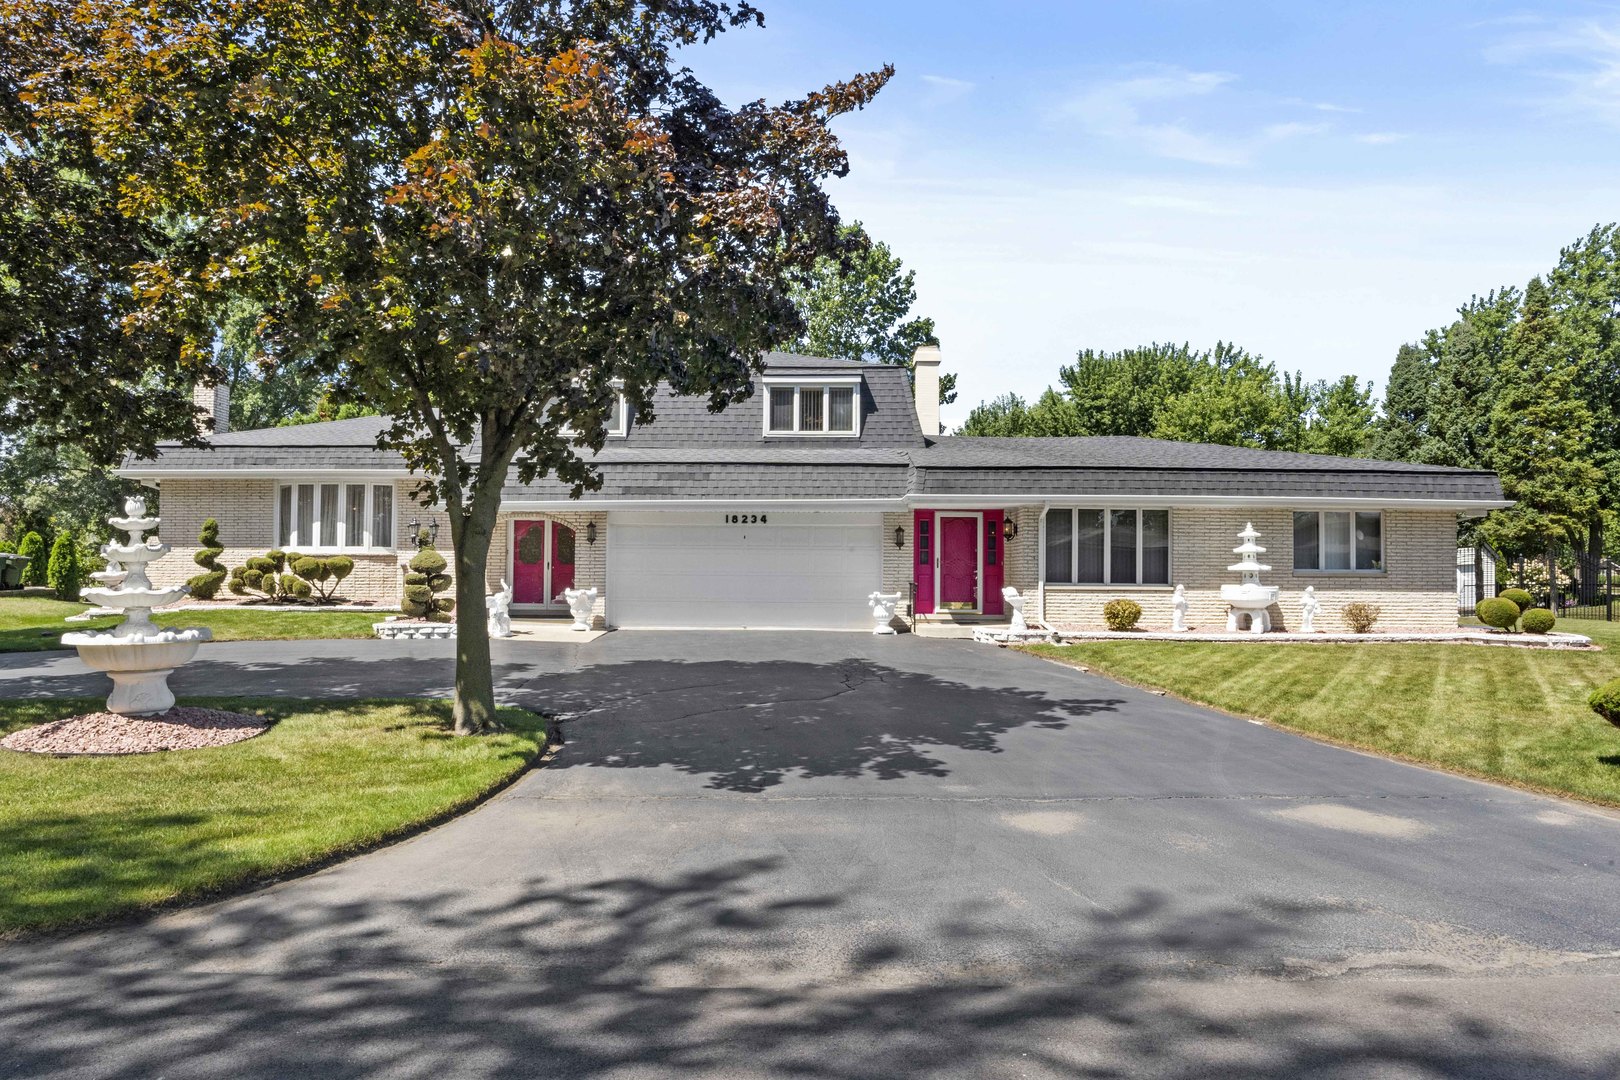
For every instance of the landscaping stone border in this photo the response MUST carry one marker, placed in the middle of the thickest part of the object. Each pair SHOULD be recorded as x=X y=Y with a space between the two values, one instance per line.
x=410 y=630
x=1392 y=637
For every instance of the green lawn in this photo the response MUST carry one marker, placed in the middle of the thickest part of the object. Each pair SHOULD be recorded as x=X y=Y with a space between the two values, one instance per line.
x=93 y=837
x=1517 y=715
x=30 y=621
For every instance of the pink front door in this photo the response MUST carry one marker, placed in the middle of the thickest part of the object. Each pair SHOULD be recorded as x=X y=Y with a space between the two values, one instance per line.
x=958 y=563
x=529 y=562
x=542 y=562
x=562 y=561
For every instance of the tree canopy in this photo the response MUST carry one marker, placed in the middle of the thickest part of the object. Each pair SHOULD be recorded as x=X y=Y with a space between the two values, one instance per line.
x=1221 y=395
x=857 y=306
x=481 y=220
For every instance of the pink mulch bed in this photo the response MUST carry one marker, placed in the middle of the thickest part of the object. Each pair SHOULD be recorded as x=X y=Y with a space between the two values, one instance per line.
x=181 y=728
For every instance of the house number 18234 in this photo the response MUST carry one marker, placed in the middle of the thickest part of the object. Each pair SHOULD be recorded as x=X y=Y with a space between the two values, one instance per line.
x=747 y=519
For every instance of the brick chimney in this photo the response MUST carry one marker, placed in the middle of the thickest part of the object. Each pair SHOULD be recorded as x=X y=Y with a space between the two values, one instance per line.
x=215 y=402
x=925 y=385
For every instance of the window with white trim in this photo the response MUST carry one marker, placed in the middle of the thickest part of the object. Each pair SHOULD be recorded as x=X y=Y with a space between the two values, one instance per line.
x=807 y=409
x=617 y=421
x=1339 y=541
x=1086 y=546
x=349 y=515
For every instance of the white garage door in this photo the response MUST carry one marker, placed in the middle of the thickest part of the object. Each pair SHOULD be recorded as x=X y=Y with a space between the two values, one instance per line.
x=761 y=570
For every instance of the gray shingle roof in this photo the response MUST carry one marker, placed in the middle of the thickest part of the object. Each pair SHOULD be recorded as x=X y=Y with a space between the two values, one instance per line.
x=689 y=452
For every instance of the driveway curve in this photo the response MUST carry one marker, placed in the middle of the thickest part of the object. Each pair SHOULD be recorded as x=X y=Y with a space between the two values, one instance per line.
x=836 y=856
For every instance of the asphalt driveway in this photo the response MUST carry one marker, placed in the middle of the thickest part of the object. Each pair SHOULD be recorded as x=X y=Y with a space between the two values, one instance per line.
x=836 y=856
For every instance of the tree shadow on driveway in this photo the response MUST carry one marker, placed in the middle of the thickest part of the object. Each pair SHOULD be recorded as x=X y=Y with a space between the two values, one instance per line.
x=748 y=726
x=680 y=975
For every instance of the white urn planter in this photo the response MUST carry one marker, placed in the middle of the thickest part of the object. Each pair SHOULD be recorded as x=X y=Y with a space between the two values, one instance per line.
x=883 y=608
x=581 y=605
x=1015 y=605
x=137 y=655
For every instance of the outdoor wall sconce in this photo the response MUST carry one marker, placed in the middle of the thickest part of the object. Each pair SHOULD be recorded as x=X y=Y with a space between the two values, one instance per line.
x=1009 y=529
x=590 y=532
x=899 y=536
x=431 y=529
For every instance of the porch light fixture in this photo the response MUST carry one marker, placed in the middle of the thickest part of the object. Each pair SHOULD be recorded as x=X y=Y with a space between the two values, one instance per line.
x=899 y=536
x=590 y=532
x=1009 y=529
x=432 y=530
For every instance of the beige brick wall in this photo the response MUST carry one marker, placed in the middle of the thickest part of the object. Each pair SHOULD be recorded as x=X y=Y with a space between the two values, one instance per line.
x=1416 y=592
x=244 y=510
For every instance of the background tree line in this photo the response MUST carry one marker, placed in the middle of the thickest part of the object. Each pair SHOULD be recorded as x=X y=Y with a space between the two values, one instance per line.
x=1524 y=382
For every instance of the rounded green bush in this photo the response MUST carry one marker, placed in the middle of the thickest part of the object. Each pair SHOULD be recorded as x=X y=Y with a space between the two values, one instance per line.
x=312 y=569
x=1605 y=701
x=1121 y=614
x=65 y=573
x=1538 y=620
x=1521 y=598
x=428 y=561
x=32 y=548
x=1498 y=612
x=341 y=566
x=295 y=587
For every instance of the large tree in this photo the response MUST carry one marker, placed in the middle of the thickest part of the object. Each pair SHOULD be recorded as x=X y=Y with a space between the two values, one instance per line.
x=79 y=367
x=482 y=219
x=1541 y=436
x=858 y=306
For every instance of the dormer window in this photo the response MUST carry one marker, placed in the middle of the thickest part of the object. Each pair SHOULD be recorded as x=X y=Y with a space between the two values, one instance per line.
x=812 y=408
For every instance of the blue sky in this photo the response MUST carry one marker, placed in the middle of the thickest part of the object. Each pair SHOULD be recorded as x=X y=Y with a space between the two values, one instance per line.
x=1318 y=182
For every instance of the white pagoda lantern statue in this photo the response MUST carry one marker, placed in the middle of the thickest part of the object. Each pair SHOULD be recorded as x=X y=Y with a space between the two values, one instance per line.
x=1249 y=600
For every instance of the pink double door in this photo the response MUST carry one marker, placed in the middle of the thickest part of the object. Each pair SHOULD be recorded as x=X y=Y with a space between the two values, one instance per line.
x=542 y=563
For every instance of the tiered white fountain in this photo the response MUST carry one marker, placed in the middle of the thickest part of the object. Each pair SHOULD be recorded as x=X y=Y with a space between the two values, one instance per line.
x=1249 y=599
x=137 y=655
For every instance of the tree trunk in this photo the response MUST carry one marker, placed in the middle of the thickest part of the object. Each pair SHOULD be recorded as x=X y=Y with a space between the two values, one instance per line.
x=474 y=709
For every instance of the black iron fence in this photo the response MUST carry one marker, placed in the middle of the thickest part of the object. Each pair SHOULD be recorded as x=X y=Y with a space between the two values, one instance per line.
x=1573 y=584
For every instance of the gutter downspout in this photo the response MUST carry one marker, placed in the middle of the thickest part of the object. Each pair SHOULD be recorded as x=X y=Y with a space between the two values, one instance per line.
x=1040 y=564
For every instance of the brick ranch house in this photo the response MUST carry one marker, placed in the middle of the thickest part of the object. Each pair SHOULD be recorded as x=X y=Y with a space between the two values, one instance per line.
x=788 y=509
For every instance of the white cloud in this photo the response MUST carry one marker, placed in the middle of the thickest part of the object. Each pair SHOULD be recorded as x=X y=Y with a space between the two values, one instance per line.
x=1579 y=57
x=942 y=90
x=1117 y=109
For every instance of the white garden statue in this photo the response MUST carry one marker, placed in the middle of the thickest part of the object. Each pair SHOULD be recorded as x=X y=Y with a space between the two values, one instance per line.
x=581 y=605
x=499 y=606
x=1015 y=604
x=1178 y=610
x=1309 y=607
x=1249 y=600
x=883 y=607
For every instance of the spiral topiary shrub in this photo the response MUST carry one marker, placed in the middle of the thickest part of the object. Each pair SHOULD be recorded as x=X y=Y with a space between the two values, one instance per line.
x=32 y=548
x=423 y=585
x=1498 y=612
x=1122 y=614
x=205 y=586
x=1605 y=701
x=65 y=573
x=1520 y=597
x=1538 y=620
